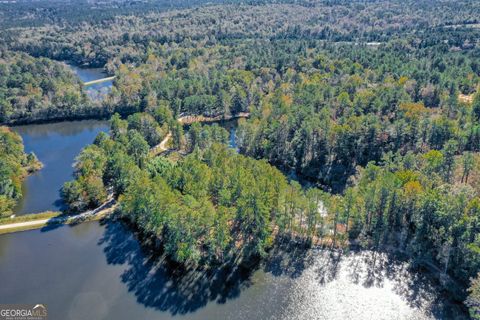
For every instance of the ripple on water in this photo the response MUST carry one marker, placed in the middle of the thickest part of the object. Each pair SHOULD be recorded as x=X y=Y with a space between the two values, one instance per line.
x=112 y=276
x=363 y=285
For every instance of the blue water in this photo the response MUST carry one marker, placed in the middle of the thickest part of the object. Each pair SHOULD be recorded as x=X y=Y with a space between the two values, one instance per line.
x=56 y=146
x=96 y=91
x=99 y=271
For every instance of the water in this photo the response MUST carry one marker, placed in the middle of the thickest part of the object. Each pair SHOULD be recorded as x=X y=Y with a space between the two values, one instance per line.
x=88 y=74
x=56 y=146
x=231 y=127
x=96 y=91
x=95 y=271
x=100 y=271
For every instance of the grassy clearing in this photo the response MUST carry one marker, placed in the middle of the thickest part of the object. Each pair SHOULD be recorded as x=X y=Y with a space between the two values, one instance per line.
x=51 y=216
x=30 y=217
x=22 y=228
x=466 y=98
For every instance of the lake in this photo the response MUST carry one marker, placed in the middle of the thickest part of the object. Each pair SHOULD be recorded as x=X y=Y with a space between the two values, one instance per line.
x=96 y=91
x=99 y=271
x=56 y=146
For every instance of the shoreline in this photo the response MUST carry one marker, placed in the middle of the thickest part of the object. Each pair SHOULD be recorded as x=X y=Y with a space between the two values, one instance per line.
x=188 y=120
x=283 y=243
x=12 y=124
x=40 y=220
x=185 y=120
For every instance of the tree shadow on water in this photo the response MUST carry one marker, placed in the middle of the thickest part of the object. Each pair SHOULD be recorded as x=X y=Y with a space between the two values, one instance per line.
x=288 y=258
x=160 y=284
x=369 y=269
x=416 y=286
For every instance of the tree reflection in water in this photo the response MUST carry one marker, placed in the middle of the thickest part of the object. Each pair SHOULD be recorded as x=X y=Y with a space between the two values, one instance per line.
x=304 y=283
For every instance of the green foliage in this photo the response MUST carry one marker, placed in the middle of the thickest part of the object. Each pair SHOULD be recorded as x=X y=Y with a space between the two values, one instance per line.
x=33 y=89
x=88 y=190
x=209 y=206
x=213 y=204
x=137 y=147
x=384 y=116
x=147 y=126
x=14 y=166
x=476 y=107
x=473 y=301
x=203 y=136
x=424 y=207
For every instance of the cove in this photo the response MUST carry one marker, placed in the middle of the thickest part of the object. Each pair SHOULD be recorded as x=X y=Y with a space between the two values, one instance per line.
x=56 y=146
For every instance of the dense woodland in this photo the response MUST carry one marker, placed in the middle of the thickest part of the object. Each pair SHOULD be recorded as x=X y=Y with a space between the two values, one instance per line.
x=211 y=205
x=95 y=41
x=222 y=53
x=375 y=103
x=39 y=89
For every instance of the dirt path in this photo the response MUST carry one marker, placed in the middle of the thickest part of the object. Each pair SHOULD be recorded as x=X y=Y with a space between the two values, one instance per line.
x=105 y=209
x=110 y=205
x=162 y=146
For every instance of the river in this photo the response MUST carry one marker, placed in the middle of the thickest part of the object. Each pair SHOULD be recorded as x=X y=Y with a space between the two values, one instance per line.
x=99 y=271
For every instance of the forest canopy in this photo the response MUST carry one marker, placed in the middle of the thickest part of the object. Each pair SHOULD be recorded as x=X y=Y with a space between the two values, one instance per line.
x=212 y=205
x=374 y=104
x=39 y=89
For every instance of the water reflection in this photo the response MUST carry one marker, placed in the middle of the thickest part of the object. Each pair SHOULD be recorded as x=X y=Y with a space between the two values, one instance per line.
x=159 y=284
x=96 y=91
x=88 y=74
x=293 y=284
x=56 y=146
x=38 y=132
x=93 y=271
